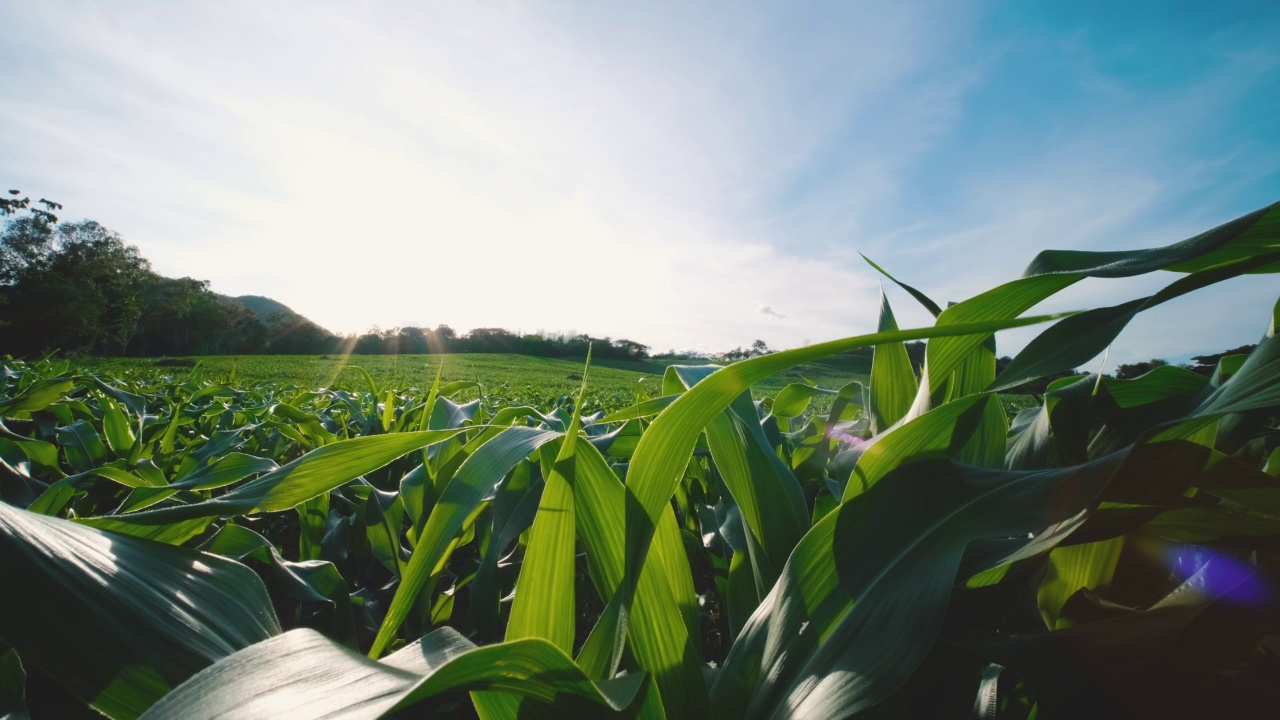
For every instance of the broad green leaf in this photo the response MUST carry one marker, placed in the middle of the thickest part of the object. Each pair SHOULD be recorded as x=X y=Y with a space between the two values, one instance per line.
x=115 y=426
x=304 y=675
x=545 y=605
x=987 y=446
x=920 y=297
x=82 y=446
x=13 y=682
x=792 y=400
x=1089 y=566
x=1255 y=386
x=514 y=509
x=37 y=396
x=664 y=450
x=1161 y=383
x=862 y=597
x=1076 y=339
x=1241 y=483
x=945 y=353
x=146 y=615
x=1244 y=237
x=766 y=492
x=229 y=469
x=473 y=484
x=663 y=625
x=937 y=435
x=319 y=471
x=893 y=380
x=1203 y=524
x=643 y=409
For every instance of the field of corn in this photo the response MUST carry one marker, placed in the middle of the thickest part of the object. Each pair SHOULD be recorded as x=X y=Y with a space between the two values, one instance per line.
x=186 y=546
x=542 y=382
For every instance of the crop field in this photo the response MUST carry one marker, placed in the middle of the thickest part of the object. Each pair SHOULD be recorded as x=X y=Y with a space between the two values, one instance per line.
x=517 y=379
x=505 y=378
x=790 y=536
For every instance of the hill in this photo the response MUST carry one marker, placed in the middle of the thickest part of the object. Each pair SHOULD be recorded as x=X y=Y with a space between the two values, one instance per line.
x=265 y=307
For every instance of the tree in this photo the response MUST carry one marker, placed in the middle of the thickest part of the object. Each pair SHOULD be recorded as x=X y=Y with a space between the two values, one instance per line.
x=1128 y=372
x=1206 y=364
x=12 y=205
x=74 y=286
x=631 y=349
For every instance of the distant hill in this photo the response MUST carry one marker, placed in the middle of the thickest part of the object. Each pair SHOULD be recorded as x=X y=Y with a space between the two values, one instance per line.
x=265 y=307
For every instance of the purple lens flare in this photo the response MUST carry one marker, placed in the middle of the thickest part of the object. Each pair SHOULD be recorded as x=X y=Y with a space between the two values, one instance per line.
x=1213 y=574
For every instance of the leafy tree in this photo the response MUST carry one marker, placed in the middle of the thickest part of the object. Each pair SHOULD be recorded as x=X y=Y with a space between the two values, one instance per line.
x=1128 y=372
x=631 y=349
x=1206 y=364
x=74 y=286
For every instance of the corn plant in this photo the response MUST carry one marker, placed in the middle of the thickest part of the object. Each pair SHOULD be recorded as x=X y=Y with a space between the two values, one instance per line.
x=186 y=548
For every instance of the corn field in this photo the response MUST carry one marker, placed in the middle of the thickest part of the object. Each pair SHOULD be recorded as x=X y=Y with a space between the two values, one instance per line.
x=185 y=548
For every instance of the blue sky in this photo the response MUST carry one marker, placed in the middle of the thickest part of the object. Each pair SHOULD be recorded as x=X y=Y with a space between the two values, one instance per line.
x=689 y=177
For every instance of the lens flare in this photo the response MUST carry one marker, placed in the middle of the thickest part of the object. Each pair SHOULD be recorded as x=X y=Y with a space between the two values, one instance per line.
x=1214 y=574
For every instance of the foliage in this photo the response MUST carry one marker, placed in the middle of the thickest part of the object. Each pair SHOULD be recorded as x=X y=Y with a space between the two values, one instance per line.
x=188 y=545
x=1133 y=370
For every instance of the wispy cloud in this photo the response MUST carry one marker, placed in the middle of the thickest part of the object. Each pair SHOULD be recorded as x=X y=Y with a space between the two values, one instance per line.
x=770 y=312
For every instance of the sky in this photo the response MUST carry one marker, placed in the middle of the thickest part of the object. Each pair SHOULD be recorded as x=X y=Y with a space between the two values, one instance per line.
x=686 y=175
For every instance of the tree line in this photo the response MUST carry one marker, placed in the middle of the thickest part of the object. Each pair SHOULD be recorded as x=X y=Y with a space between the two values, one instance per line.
x=80 y=288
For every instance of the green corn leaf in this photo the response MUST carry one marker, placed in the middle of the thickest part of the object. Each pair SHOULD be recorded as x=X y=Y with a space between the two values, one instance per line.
x=937 y=435
x=920 y=297
x=317 y=472
x=639 y=410
x=1160 y=384
x=1089 y=566
x=987 y=446
x=545 y=605
x=767 y=493
x=227 y=470
x=944 y=354
x=792 y=400
x=1204 y=524
x=37 y=396
x=663 y=625
x=664 y=450
x=1255 y=386
x=845 y=628
x=82 y=445
x=305 y=675
x=147 y=616
x=364 y=374
x=1076 y=339
x=893 y=381
x=13 y=683
x=514 y=509
x=388 y=411
x=1239 y=482
x=474 y=483
x=115 y=427
x=1246 y=236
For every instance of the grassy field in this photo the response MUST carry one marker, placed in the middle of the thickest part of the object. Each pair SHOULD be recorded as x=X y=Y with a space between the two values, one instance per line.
x=516 y=378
